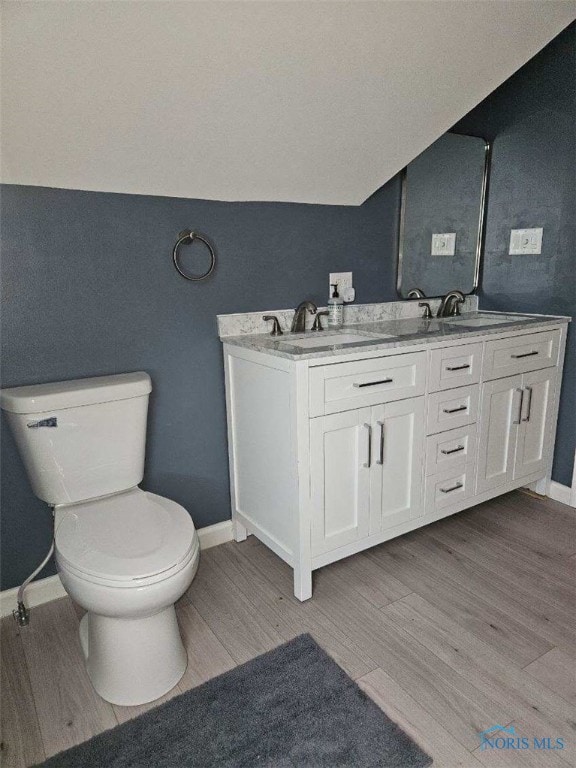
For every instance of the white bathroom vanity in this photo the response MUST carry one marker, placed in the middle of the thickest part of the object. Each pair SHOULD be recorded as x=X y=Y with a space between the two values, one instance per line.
x=336 y=447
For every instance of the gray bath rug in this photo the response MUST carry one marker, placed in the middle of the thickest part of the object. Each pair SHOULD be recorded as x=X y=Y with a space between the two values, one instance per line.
x=293 y=706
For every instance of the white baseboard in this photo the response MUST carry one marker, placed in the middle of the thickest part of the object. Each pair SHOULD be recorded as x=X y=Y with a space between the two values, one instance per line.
x=559 y=492
x=45 y=590
x=212 y=535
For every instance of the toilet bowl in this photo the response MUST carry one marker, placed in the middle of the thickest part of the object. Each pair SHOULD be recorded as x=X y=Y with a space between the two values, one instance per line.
x=126 y=559
x=123 y=554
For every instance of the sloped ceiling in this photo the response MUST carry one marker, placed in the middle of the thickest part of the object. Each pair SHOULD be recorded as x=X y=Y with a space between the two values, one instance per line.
x=286 y=101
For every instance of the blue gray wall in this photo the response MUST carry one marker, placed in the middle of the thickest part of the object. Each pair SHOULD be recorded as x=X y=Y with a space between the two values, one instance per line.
x=531 y=120
x=89 y=289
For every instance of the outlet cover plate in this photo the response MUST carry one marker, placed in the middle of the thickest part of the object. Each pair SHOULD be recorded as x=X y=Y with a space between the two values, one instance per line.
x=525 y=241
x=443 y=244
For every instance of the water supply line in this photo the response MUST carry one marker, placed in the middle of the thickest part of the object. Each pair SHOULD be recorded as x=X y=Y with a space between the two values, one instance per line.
x=21 y=613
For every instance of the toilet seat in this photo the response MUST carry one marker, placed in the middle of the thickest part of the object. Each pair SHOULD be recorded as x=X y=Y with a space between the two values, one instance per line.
x=130 y=539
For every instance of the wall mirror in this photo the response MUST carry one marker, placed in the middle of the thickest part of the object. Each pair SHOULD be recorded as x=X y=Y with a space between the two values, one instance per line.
x=442 y=217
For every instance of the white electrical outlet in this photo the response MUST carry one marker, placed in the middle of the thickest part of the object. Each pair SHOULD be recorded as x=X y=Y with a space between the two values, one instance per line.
x=443 y=244
x=525 y=241
x=345 y=286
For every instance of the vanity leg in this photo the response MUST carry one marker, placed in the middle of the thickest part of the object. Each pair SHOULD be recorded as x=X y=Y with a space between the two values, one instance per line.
x=302 y=583
x=542 y=486
x=239 y=531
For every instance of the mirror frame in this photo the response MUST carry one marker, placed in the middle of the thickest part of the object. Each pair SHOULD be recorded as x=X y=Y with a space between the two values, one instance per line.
x=481 y=221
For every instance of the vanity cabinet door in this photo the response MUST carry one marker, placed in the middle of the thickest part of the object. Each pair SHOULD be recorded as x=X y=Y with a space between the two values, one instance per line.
x=397 y=463
x=341 y=448
x=499 y=422
x=535 y=429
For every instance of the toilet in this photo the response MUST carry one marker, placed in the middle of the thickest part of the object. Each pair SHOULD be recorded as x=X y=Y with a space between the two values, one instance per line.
x=123 y=554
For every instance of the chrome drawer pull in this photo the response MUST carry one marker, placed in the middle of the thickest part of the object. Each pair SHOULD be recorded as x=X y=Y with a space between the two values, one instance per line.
x=369 y=462
x=458 y=367
x=455 y=410
x=452 y=450
x=454 y=488
x=525 y=354
x=374 y=383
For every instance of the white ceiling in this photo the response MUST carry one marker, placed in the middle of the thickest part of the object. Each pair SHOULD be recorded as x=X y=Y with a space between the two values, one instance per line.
x=289 y=101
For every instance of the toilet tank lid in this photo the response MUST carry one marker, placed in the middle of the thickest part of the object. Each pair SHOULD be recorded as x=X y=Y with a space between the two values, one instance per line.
x=40 y=398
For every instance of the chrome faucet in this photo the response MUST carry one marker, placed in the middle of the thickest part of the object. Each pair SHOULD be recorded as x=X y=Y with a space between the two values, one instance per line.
x=450 y=304
x=416 y=293
x=299 y=321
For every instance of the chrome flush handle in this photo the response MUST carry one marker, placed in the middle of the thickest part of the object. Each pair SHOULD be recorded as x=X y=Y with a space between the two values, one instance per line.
x=52 y=421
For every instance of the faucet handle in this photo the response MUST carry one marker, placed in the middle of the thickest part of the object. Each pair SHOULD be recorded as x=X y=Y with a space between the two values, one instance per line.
x=276 y=329
x=456 y=302
x=317 y=325
x=427 y=311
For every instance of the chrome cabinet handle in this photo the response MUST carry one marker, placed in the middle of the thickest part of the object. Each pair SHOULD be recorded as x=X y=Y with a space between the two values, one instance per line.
x=452 y=450
x=457 y=367
x=524 y=354
x=455 y=410
x=369 y=462
x=374 y=383
x=454 y=488
x=517 y=421
x=529 y=407
x=381 y=459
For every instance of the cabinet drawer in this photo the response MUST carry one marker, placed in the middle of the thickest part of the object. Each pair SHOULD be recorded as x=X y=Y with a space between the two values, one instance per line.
x=449 y=487
x=450 y=450
x=530 y=352
x=455 y=366
x=343 y=386
x=452 y=408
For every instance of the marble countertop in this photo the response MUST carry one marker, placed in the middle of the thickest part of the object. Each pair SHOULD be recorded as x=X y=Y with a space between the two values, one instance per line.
x=392 y=334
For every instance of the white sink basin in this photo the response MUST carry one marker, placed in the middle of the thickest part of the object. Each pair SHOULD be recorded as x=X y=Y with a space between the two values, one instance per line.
x=476 y=322
x=334 y=339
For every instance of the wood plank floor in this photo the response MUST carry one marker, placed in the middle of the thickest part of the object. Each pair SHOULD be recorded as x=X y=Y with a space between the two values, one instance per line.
x=451 y=629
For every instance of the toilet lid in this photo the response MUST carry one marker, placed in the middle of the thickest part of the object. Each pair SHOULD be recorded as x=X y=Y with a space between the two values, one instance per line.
x=132 y=535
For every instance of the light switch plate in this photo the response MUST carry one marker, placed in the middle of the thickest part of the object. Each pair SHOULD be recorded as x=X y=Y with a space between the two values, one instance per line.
x=525 y=241
x=444 y=244
x=345 y=285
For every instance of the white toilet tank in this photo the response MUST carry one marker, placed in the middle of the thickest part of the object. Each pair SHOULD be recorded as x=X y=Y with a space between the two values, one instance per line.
x=81 y=439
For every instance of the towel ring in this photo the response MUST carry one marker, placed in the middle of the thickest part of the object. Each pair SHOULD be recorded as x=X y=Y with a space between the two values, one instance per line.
x=188 y=236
